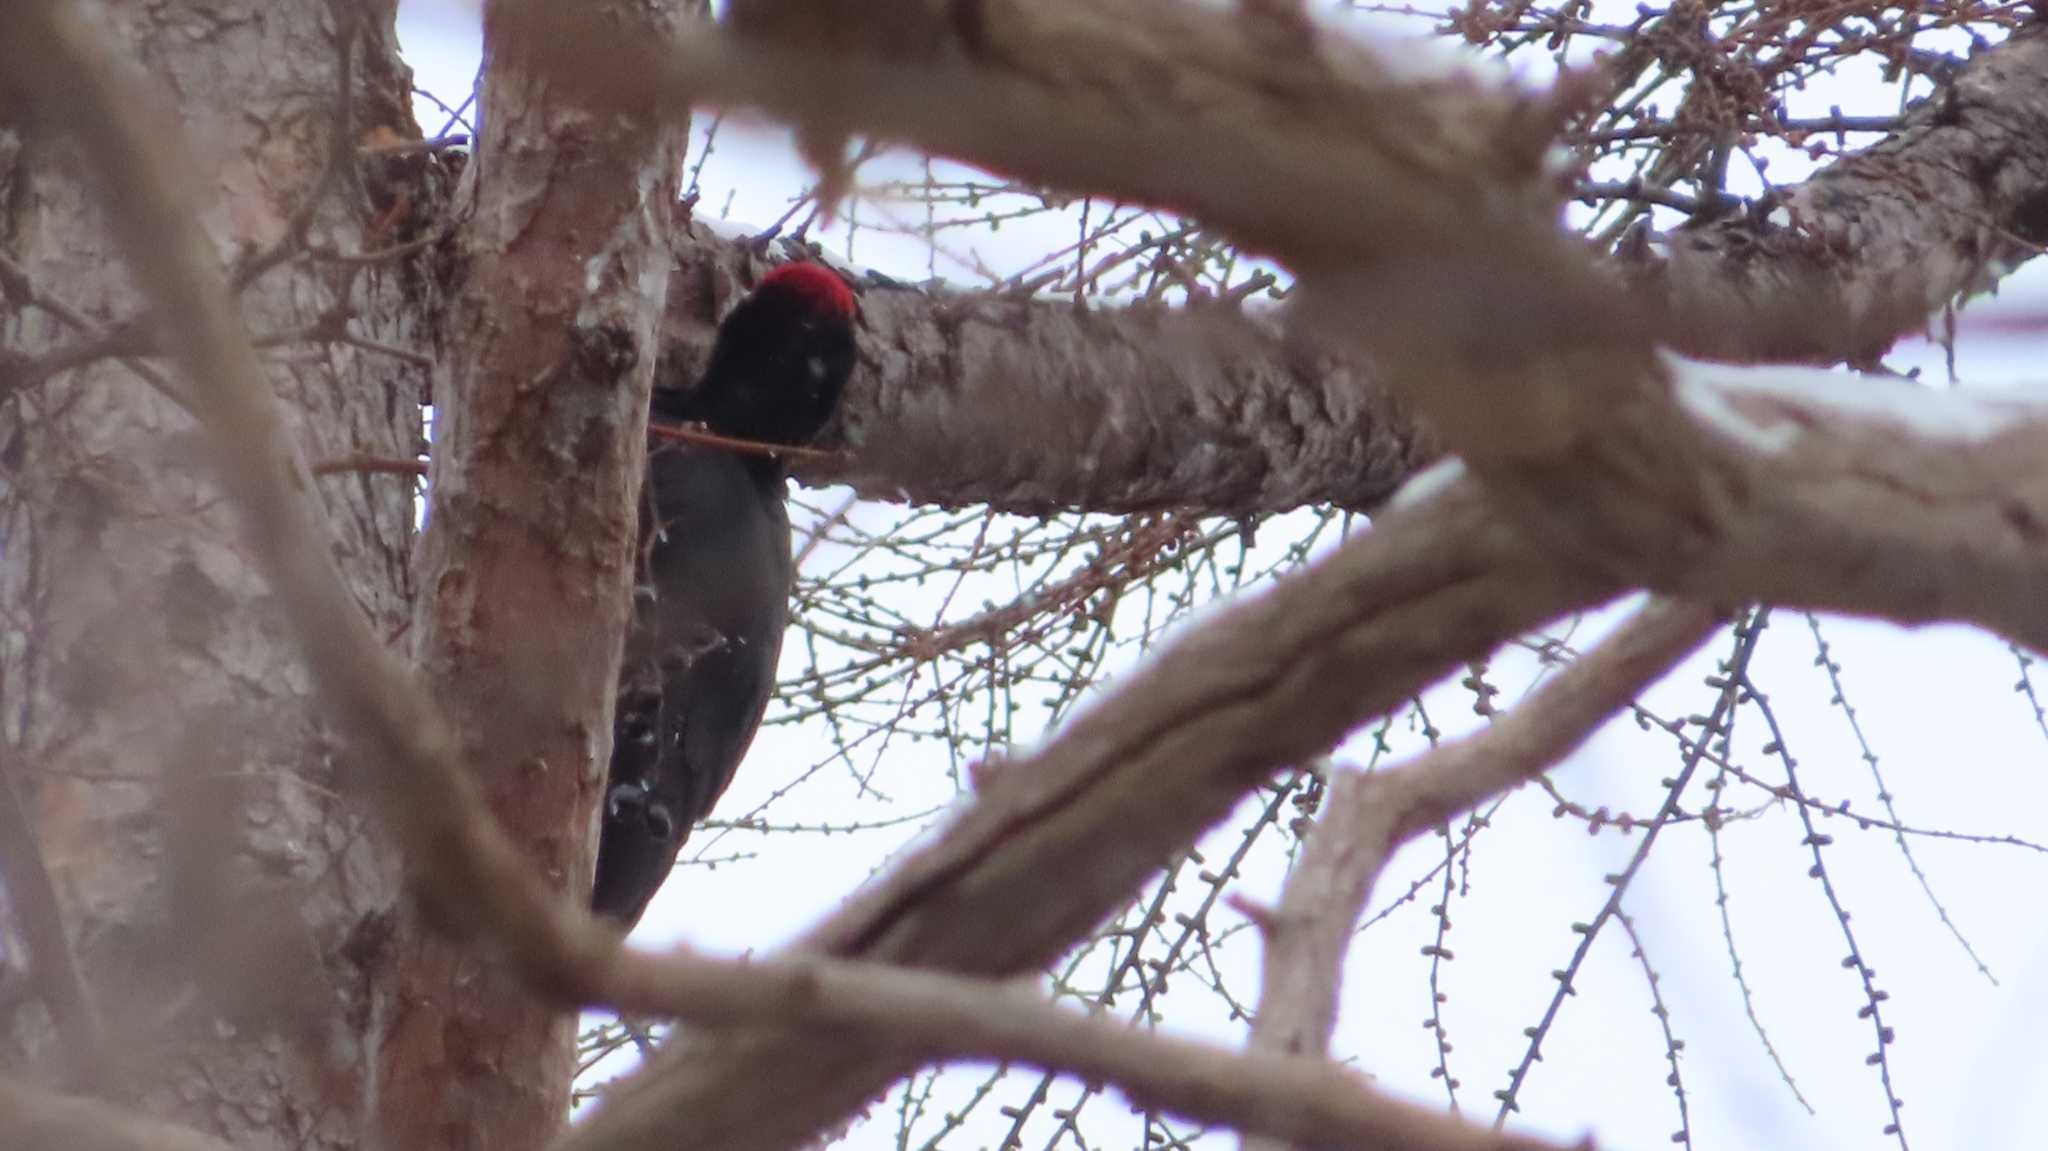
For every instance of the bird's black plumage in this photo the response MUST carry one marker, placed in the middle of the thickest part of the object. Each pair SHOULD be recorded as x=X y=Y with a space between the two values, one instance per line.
x=711 y=598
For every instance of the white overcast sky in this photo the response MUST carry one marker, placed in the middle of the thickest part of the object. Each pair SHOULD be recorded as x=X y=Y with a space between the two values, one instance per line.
x=1959 y=749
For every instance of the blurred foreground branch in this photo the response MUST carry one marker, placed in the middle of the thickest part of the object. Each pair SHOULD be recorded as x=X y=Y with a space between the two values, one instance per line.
x=1918 y=507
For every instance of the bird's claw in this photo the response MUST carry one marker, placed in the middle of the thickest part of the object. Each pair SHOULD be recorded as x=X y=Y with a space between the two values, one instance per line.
x=634 y=799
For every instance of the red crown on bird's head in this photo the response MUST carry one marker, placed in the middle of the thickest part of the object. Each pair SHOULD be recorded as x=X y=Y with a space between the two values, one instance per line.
x=814 y=284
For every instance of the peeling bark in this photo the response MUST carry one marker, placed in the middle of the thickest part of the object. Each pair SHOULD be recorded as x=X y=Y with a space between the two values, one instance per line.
x=548 y=354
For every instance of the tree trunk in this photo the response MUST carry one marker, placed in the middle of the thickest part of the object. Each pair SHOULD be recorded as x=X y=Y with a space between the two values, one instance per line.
x=223 y=902
x=542 y=388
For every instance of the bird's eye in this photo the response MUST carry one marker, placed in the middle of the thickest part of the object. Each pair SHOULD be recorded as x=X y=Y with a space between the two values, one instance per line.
x=816 y=366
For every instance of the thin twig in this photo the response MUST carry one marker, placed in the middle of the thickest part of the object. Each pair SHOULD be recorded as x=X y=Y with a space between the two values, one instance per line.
x=691 y=434
x=100 y=341
x=1367 y=816
x=1589 y=932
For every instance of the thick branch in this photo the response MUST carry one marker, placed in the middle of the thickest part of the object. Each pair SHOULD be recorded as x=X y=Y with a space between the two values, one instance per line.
x=1326 y=155
x=1885 y=499
x=1060 y=838
x=457 y=849
x=920 y=1016
x=1839 y=267
x=1033 y=405
x=1177 y=105
x=1464 y=318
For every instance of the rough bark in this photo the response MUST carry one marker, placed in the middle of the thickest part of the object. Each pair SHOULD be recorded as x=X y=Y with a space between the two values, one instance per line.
x=1829 y=271
x=179 y=784
x=1840 y=266
x=1033 y=405
x=541 y=384
x=1118 y=411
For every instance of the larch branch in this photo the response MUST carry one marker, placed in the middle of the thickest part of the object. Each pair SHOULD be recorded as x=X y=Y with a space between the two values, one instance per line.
x=1368 y=816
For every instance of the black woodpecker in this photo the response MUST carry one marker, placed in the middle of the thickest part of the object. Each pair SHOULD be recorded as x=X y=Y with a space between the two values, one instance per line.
x=711 y=597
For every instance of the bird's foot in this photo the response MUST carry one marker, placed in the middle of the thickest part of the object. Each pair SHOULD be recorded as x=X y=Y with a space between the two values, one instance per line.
x=632 y=800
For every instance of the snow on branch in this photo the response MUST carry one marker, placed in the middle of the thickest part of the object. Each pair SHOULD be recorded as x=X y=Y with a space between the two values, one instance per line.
x=1876 y=498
